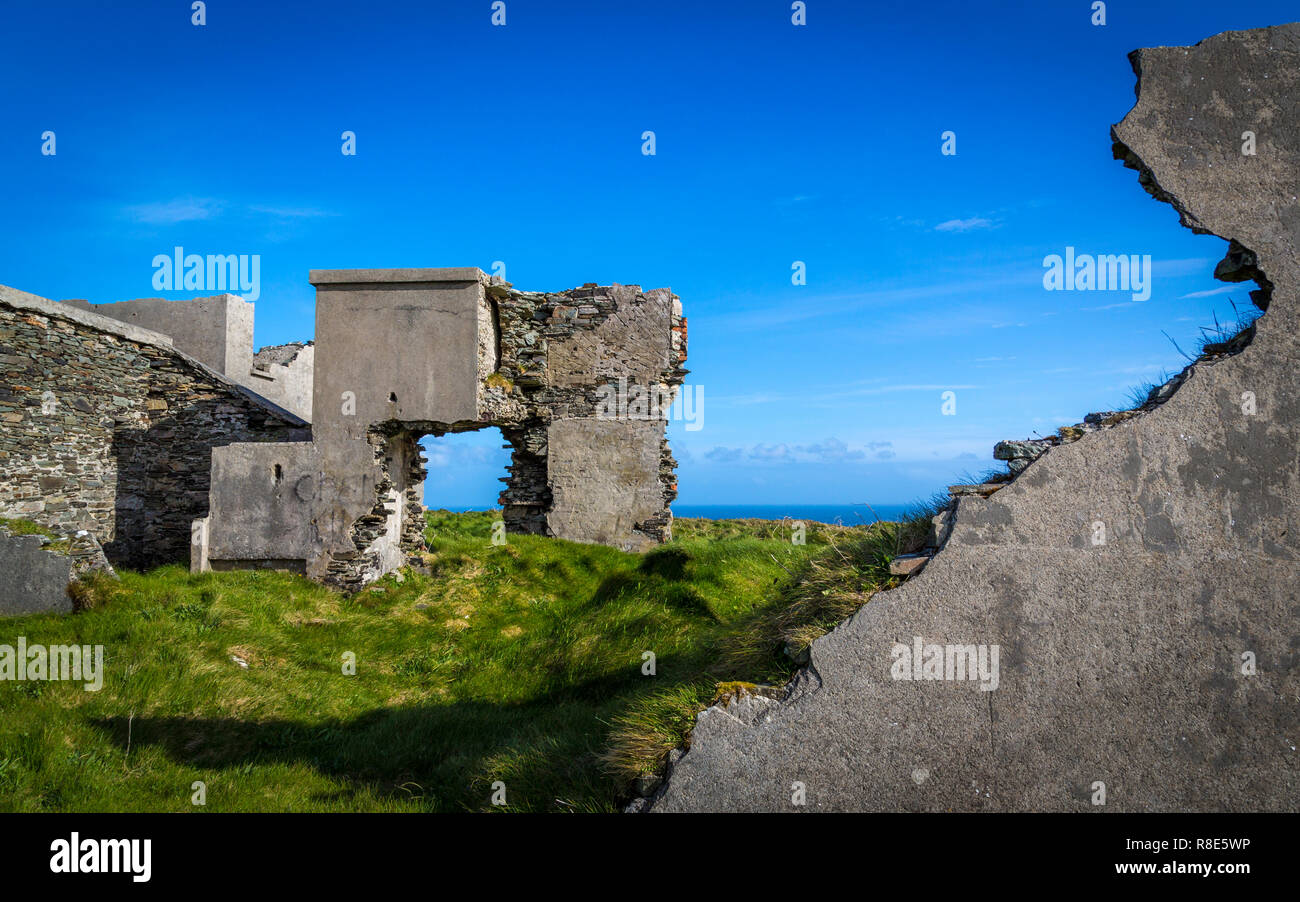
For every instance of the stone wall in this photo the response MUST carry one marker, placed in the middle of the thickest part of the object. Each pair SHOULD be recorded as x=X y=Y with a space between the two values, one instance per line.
x=1140 y=579
x=108 y=428
x=217 y=331
x=563 y=355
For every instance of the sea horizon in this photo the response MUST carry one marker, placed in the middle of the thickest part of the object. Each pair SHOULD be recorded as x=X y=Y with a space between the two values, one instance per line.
x=843 y=514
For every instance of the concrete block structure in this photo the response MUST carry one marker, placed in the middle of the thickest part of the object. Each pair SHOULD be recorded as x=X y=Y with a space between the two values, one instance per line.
x=261 y=508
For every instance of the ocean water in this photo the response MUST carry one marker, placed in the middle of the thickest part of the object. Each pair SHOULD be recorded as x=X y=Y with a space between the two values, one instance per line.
x=845 y=514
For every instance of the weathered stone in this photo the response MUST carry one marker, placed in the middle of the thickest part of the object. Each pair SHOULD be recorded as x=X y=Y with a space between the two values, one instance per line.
x=940 y=525
x=1029 y=449
x=907 y=564
x=984 y=489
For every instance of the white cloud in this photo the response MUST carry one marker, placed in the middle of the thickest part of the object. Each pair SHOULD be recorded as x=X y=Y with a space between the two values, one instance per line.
x=837 y=451
x=815 y=396
x=292 y=212
x=186 y=209
x=1129 y=303
x=1205 y=294
x=193 y=209
x=965 y=225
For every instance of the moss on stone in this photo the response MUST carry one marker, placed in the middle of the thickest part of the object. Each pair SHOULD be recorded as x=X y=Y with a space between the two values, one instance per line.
x=1119 y=417
x=20 y=527
x=496 y=380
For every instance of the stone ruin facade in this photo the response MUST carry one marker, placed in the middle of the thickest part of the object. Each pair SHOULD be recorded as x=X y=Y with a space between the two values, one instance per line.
x=152 y=425
x=401 y=354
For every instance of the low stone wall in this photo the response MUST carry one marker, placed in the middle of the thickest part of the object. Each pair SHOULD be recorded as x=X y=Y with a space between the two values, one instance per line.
x=39 y=569
x=109 y=428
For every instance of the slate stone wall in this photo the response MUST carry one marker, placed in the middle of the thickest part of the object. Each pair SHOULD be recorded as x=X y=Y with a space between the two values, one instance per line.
x=109 y=429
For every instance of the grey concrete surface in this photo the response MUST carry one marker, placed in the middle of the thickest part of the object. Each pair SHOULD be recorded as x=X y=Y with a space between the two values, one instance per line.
x=262 y=505
x=397 y=349
x=35 y=578
x=283 y=374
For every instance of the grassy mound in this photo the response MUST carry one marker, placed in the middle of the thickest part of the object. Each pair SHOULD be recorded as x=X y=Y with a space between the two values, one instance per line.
x=524 y=664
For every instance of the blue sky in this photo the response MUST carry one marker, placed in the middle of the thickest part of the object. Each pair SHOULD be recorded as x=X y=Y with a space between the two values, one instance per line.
x=774 y=144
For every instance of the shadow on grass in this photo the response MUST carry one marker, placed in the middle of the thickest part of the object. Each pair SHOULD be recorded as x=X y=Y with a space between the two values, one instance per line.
x=438 y=757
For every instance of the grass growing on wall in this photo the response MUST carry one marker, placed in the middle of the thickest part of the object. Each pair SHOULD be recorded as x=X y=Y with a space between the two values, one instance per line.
x=519 y=663
x=20 y=527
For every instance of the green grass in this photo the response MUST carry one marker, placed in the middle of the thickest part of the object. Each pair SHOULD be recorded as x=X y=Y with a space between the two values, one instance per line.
x=519 y=663
x=1227 y=337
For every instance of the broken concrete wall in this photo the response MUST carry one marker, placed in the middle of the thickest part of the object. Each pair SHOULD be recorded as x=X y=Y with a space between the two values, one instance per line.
x=398 y=354
x=36 y=576
x=109 y=428
x=405 y=353
x=604 y=480
x=41 y=566
x=1141 y=583
x=283 y=375
x=396 y=345
x=587 y=355
x=538 y=363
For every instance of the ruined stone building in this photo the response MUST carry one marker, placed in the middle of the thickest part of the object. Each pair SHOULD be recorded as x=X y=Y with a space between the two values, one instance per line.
x=152 y=425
